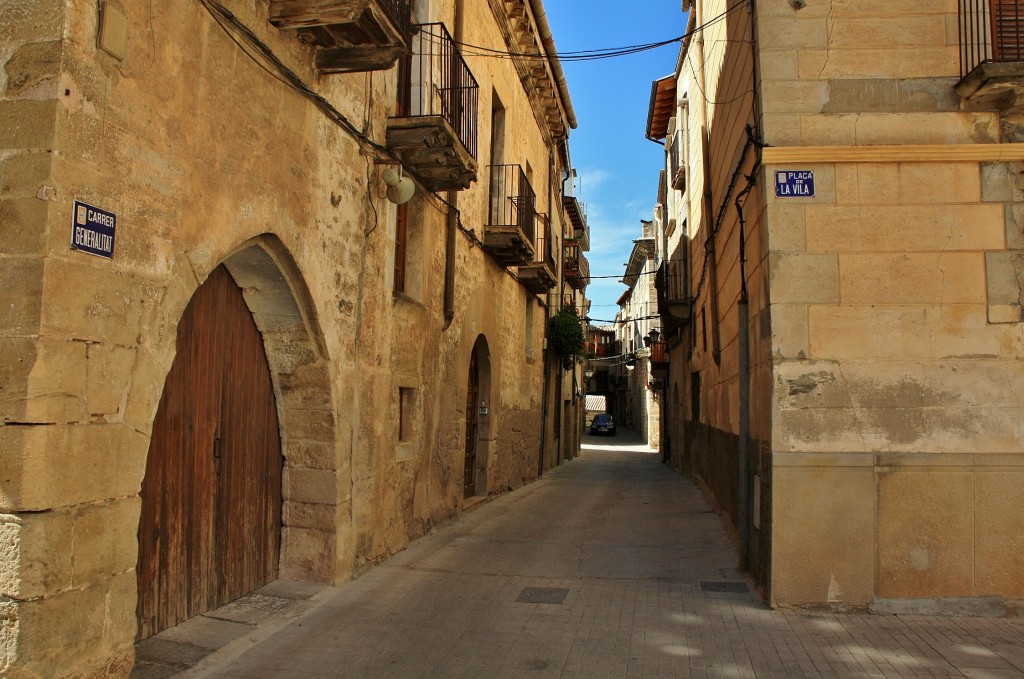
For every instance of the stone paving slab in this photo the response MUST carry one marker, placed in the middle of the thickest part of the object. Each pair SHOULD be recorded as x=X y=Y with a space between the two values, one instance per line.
x=176 y=649
x=646 y=587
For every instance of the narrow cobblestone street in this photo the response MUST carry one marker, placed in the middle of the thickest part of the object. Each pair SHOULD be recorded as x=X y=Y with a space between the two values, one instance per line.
x=610 y=566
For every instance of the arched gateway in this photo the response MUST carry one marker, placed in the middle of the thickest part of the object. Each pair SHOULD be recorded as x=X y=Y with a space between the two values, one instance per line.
x=210 y=529
x=247 y=396
x=478 y=437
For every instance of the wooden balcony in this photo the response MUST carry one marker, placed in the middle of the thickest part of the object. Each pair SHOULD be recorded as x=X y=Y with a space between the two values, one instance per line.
x=659 y=359
x=578 y=217
x=349 y=35
x=575 y=266
x=512 y=216
x=992 y=54
x=540 y=275
x=674 y=301
x=434 y=129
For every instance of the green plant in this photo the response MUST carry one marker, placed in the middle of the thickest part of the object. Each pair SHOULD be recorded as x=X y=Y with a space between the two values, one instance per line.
x=565 y=333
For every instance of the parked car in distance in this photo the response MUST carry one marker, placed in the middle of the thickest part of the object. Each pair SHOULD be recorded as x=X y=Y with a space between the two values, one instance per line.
x=602 y=424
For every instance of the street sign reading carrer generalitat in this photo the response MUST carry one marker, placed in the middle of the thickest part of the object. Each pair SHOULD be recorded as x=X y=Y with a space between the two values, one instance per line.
x=794 y=184
x=92 y=230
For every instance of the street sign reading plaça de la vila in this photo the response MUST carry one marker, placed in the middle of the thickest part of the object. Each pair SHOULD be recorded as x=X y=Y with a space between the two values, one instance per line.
x=794 y=184
x=92 y=230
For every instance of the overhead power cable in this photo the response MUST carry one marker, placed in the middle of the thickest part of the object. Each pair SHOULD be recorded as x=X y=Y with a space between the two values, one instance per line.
x=469 y=49
x=264 y=57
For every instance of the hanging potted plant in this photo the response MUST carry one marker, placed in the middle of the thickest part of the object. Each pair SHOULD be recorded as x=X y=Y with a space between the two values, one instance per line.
x=565 y=336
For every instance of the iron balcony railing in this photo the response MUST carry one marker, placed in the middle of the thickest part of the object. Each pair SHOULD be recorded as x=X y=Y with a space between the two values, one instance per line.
x=542 y=248
x=990 y=31
x=435 y=81
x=577 y=269
x=513 y=201
x=400 y=13
x=672 y=280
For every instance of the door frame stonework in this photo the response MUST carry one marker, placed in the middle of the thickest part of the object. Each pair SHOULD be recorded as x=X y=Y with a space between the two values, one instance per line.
x=275 y=292
x=482 y=355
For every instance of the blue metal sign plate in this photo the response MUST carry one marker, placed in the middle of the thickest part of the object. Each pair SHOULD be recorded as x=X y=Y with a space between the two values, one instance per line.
x=794 y=184
x=92 y=230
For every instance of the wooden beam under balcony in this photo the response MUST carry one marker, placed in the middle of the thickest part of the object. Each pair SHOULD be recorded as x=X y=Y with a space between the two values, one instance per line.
x=575 y=266
x=575 y=212
x=302 y=13
x=360 y=58
x=429 y=147
x=537 y=277
x=349 y=35
x=508 y=245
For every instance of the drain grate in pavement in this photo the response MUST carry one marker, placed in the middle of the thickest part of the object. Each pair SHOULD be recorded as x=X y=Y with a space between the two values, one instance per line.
x=730 y=587
x=542 y=595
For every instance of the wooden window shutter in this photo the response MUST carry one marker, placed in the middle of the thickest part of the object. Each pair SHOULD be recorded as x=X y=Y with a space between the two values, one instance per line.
x=401 y=245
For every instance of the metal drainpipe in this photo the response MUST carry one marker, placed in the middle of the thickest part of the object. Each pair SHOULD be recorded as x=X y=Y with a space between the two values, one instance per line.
x=709 y=247
x=745 y=491
x=743 y=454
x=452 y=225
x=743 y=309
x=544 y=407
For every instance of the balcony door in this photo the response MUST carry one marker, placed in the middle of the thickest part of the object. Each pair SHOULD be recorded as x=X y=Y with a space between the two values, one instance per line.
x=497 y=159
x=1008 y=30
x=478 y=428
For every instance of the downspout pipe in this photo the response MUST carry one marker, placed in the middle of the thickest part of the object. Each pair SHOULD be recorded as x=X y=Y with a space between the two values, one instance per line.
x=743 y=452
x=451 y=227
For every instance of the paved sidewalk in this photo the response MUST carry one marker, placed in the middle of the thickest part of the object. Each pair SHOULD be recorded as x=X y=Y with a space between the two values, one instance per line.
x=609 y=566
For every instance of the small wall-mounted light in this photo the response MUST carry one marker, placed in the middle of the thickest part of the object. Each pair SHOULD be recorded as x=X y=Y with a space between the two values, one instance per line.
x=797 y=4
x=400 y=188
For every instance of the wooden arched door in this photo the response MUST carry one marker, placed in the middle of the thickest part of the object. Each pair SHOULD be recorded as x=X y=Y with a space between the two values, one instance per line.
x=210 y=529
x=472 y=428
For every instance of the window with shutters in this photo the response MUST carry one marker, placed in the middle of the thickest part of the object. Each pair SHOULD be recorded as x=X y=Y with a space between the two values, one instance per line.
x=401 y=246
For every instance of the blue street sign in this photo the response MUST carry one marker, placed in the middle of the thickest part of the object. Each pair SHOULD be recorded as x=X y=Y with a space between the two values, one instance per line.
x=794 y=184
x=92 y=230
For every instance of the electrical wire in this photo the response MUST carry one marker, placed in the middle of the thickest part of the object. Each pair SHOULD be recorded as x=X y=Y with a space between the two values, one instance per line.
x=469 y=49
x=622 y=320
x=619 y=275
x=264 y=57
x=261 y=54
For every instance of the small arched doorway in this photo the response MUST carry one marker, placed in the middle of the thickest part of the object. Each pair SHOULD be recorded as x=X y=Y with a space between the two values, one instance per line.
x=478 y=390
x=210 y=526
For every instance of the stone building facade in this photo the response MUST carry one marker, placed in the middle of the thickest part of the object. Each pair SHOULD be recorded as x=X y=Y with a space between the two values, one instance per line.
x=244 y=149
x=841 y=296
x=636 y=404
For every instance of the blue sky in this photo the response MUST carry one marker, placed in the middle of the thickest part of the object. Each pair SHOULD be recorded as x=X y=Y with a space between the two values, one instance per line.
x=617 y=165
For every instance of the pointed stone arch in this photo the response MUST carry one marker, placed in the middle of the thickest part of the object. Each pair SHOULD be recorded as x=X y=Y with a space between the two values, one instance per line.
x=282 y=307
x=477 y=465
x=274 y=290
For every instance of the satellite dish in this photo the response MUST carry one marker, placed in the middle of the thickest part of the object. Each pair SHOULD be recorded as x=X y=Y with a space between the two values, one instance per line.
x=402 y=191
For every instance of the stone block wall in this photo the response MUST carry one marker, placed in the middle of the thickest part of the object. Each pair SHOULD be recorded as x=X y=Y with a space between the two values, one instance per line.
x=206 y=159
x=892 y=381
x=894 y=309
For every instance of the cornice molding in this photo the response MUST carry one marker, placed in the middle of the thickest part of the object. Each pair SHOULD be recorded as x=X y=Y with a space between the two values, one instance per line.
x=519 y=29
x=905 y=153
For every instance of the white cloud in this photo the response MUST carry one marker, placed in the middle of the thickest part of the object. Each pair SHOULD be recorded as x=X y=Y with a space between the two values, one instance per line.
x=589 y=181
